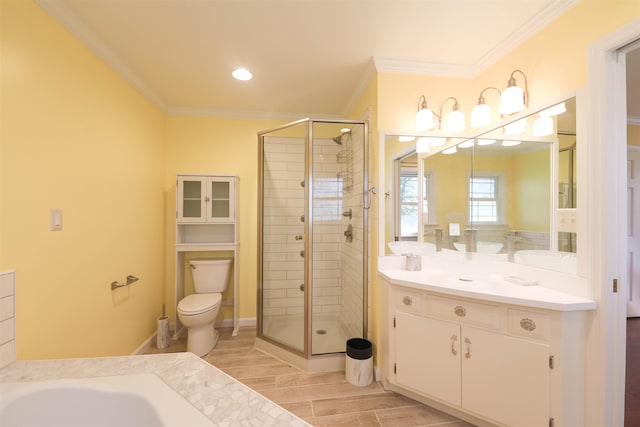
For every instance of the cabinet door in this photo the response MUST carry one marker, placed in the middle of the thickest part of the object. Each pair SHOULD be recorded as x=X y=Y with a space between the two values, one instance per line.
x=428 y=356
x=505 y=378
x=220 y=199
x=191 y=199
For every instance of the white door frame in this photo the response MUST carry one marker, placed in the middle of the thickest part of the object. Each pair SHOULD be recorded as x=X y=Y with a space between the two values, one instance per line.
x=606 y=225
x=633 y=278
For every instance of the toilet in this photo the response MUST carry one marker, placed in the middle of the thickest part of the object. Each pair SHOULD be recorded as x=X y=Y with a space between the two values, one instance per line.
x=198 y=311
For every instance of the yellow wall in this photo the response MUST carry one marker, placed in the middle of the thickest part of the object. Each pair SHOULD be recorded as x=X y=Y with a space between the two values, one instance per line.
x=217 y=146
x=74 y=135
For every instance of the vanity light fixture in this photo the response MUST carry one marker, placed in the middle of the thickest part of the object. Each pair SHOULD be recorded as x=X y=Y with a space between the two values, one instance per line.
x=450 y=150
x=481 y=113
x=466 y=144
x=455 y=119
x=242 y=74
x=422 y=145
x=435 y=141
x=543 y=126
x=486 y=141
x=406 y=138
x=555 y=110
x=516 y=128
x=426 y=119
x=514 y=98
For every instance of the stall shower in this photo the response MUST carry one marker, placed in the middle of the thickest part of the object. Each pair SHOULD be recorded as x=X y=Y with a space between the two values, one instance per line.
x=312 y=240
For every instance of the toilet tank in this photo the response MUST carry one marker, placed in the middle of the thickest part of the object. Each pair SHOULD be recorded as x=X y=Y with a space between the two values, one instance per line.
x=210 y=275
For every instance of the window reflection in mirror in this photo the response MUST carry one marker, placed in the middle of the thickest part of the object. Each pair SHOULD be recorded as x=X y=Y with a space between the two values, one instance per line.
x=501 y=186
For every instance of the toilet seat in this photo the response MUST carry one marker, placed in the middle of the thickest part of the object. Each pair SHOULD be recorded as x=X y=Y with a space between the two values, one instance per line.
x=199 y=303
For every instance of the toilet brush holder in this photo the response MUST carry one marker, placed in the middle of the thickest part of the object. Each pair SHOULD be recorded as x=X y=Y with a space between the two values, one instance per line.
x=162 y=337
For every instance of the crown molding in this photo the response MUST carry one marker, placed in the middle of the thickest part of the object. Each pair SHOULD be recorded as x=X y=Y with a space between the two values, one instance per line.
x=548 y=14
x=361 y=87
x=543 y=18
x=245 y=114
x=69 y=20
x=385 y=65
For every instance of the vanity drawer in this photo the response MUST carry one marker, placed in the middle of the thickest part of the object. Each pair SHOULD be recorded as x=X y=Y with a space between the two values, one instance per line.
x=465 y=311
x=530 y=324
x=409 y=301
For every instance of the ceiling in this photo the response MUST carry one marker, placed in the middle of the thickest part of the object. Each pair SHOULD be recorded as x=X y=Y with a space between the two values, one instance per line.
x=308 y=57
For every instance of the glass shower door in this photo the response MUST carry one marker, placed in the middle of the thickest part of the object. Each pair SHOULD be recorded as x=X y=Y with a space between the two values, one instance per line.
x=337 y=235
x=282 y=300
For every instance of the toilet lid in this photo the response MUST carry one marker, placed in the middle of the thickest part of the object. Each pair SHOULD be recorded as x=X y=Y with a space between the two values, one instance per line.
x=199 y=303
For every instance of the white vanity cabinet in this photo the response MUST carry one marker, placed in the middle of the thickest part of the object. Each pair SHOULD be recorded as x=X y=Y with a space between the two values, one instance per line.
x=489 y=362
x=206 y=220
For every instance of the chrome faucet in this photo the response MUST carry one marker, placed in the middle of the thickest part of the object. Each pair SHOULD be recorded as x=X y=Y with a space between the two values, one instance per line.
x=470 y=240
x=438 y=239
x=512 y=236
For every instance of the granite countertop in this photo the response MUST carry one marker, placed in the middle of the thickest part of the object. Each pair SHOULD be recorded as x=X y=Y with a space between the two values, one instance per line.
x=221 y=398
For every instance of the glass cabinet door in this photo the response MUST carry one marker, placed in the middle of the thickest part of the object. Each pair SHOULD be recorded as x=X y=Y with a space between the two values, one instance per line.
x=191 y=200
x=220 y=199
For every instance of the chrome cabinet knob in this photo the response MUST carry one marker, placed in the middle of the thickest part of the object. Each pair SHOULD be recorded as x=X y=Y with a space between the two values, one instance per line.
x=407 y=300
x=460 y=311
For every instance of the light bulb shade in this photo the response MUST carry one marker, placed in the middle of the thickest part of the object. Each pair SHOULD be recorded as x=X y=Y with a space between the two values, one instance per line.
x=516 y=128
x=450 y=150
x=466 y=144
x=543 y=126
x=455 y=121
x=436 y=141
x=555 y=110
x=486 y=141
x=422 y=145
x=511 y=100
x=425 y=119
x=510 y=143
x=480 y=116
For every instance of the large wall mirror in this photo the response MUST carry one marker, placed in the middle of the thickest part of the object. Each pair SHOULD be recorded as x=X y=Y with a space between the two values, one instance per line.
x=510 y=191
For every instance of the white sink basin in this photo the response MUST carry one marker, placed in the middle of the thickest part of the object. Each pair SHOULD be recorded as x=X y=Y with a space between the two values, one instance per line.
x=483 y=247
x=415 y=248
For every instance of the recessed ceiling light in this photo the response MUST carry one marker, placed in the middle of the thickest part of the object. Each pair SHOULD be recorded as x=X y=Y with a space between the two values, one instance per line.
x=242 y=74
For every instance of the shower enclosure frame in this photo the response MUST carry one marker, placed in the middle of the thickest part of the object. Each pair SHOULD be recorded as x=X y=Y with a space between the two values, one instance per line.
x=305 y=359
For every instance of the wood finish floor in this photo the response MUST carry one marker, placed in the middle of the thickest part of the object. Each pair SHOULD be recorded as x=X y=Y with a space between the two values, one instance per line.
x=632 y=393
x=327 y=399
x=321 y=399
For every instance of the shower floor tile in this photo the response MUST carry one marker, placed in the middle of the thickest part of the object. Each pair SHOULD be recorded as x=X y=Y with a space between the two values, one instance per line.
x=320 y=398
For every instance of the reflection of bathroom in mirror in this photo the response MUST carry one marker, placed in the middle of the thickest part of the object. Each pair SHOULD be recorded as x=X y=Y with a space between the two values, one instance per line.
x=497 y=188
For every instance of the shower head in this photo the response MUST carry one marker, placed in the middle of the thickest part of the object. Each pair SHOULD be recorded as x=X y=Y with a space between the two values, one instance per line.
x=337 y=139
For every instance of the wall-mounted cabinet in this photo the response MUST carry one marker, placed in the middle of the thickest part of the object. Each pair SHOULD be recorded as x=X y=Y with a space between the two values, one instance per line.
x=206 y=199
x=206 y=220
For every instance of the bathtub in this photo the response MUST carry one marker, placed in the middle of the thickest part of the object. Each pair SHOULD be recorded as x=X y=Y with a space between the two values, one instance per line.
x=172 y=389
x=123 y=400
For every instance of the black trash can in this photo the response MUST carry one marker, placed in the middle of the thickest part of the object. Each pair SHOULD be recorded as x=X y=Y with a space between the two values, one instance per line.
x=359 y=362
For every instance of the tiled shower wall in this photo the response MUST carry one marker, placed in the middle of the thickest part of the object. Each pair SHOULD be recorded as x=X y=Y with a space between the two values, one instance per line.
x=337 y=265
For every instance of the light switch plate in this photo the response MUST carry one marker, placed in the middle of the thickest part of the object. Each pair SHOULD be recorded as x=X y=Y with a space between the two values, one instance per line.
x=55 y=219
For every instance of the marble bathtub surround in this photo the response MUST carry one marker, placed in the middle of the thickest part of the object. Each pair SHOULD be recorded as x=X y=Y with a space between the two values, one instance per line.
x=222 y=399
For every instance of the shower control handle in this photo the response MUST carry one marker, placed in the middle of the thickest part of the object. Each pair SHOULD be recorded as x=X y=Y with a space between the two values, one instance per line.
x=298 y=237
x=349 y=233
